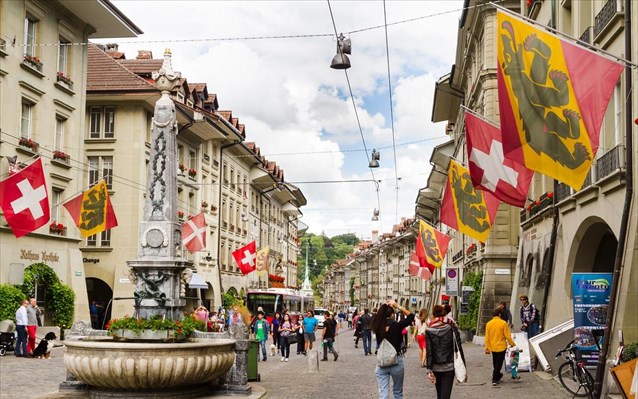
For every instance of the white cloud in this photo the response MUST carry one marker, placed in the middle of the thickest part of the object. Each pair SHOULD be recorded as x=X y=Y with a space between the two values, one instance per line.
x=292 y=102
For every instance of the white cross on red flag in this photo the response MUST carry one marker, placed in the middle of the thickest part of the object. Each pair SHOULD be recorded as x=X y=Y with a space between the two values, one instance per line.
x=246 y=257
x=489 y=169
x=24 y=199
x=415 y=269
x=194 y=233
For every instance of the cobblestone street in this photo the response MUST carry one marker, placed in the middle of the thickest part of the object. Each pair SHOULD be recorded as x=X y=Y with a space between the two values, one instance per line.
x=351 y=376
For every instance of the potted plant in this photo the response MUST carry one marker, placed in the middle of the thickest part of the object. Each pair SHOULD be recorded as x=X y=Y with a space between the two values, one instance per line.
x=61 y=77
x=182 y=167
x=180 y=215
x=192 y=173
x=155 y=328
x=57 y=228
x=204 y=204
x=28 y=143
x=57 y=154
x=33 y=61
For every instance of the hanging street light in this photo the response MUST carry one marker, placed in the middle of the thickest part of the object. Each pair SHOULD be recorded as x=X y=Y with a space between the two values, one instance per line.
x=341 y=60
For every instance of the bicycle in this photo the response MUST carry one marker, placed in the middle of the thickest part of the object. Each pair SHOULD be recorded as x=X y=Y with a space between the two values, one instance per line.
x=573 y=374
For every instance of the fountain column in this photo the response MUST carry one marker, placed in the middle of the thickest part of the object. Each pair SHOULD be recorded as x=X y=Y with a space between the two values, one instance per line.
x=160 y=274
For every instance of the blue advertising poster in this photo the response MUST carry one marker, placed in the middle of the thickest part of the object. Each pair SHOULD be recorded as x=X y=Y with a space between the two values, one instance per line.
x=591 y=301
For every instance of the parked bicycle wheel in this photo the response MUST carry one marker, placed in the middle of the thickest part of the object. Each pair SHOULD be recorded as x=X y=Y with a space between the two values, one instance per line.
x=571 y=377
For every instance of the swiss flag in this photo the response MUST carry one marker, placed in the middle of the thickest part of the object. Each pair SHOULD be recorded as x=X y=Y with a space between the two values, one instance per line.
x=194 y=233
x=490 y=171
x=24 y=199
x=415 y=268
x=246 y=257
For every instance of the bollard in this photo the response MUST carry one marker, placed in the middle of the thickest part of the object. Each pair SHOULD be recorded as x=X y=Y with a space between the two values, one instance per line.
x=313 y=361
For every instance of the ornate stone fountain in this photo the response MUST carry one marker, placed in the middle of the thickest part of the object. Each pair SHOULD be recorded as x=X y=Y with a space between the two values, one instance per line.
x=139 y=369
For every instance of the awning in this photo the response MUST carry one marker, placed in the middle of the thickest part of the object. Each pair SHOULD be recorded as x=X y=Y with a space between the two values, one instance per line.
x=197 y=282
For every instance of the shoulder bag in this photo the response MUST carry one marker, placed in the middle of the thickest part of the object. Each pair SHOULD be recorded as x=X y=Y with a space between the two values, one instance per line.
x=459 y=367
x=386 y=354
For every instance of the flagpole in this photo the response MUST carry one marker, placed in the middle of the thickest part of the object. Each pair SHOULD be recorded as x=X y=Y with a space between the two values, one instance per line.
x=589 y=47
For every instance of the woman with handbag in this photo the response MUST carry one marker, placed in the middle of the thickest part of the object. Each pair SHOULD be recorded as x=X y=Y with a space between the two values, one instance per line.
x=285 y=332
x=386 y=328
x=444 y=356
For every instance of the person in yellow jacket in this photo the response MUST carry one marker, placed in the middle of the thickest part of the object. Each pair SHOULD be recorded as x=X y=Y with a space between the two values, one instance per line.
x=497 y=336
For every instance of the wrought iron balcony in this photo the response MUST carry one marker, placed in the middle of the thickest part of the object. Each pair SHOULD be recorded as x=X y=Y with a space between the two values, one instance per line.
x=587 y=180
x=606 y=14
x=609 y=162
x=563 y=191
x=586 y=36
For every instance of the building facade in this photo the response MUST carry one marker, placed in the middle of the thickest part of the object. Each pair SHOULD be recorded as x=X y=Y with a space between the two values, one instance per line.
x=43 y=98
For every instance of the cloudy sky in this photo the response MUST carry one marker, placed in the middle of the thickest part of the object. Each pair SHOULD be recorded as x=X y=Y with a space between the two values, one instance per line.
x=299 y=110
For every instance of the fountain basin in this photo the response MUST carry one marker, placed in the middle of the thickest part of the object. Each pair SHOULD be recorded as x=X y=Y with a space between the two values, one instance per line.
x=132 y=366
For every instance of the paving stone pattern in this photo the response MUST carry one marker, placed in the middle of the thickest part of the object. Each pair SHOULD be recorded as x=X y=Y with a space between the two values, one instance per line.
x=352 y=376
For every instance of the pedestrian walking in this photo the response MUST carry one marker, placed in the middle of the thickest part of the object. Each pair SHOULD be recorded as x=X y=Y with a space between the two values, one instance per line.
x=33 y=315
x=497 y=336
x=328 y=337
x=310 y=323
x=298 y=328
x=530 y=318
x=350 y=319
x=439 y=364
x=420 y=322
x=276 y=322
x=262 y=332
x=284 y=331
x=21 y=328
x=365 y=321
x=357 y=330
x=386 y=327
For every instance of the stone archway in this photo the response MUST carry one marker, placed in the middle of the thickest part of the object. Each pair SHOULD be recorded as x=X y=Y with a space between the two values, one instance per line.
x=99 y=291
x=593 y=249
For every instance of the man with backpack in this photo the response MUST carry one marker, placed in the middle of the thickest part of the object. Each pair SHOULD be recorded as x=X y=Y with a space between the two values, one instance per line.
x=363 y=323
x=530 y=317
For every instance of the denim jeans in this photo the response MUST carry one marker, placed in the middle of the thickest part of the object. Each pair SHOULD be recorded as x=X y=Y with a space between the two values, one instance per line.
x=284 y=346
x=532 y=330
x=367 y=338
x=264 y=350
x=383 y=379
x=21 y=342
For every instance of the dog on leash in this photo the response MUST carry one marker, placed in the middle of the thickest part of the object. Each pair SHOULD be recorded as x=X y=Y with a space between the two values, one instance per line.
x=43 y=350
x=273 y=350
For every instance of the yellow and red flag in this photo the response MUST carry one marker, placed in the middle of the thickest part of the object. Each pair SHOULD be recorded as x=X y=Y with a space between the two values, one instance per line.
x=92 y=211
x=552 y=99
x=464 y=208
x=431 y=246
x=262 y=261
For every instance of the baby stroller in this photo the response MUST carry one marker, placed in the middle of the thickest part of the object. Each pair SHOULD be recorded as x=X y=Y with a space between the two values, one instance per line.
x=7 y=336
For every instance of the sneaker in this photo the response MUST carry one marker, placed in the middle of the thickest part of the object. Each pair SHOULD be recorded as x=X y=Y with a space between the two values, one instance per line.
x=336 y=356
x=324 y=360
x=282 y=359
x=356 y=346
x=494 y=384
x=286 y=359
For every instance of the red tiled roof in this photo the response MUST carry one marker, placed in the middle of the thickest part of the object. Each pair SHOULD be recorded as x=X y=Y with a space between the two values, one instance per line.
x=118 y=55
x=105 y=74
x=228 y=115
x=200 y=87
x=142 y=66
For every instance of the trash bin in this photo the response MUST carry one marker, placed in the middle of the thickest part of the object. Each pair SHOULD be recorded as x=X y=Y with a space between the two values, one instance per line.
x=251 y=367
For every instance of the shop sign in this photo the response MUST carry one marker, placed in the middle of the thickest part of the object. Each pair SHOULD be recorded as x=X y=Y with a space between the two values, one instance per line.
x=91 y=260
x=34 y=256
x=452 y=282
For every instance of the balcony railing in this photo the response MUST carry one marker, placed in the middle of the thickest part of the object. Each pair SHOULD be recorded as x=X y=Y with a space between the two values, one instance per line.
x=563 y=191
x=587 y=182
x=606 y=14
x=610 y=162
x=586 y=36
